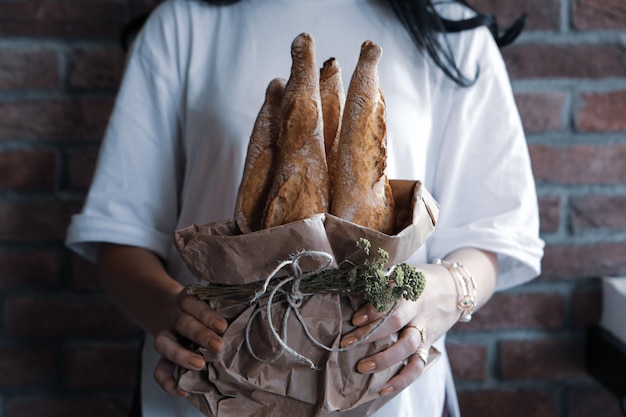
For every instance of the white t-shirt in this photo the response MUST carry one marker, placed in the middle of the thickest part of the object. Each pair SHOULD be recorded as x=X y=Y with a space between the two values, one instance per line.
x=195 y=80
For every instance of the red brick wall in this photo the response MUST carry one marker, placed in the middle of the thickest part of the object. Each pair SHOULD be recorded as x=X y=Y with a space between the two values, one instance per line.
x=66 y=351
x=524 y=354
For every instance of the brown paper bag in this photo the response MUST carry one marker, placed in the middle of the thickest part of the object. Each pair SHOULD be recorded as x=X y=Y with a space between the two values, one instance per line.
x=255 y=376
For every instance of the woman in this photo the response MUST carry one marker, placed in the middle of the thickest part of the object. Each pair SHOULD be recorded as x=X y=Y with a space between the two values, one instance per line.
x=175 y=147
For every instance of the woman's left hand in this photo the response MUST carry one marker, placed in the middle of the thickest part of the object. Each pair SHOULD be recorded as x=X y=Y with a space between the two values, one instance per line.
x=418 y=324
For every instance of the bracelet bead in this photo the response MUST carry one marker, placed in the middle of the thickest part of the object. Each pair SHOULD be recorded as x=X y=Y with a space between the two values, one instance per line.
x=467 y=301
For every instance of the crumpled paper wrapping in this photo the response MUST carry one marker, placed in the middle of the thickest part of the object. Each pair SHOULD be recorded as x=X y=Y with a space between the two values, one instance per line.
x=235 y=383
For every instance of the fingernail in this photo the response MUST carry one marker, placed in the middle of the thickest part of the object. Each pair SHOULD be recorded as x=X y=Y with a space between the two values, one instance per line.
x=215 y=345
x=359 y=320
x=220 y=326
x=387 y=390
x=366 y=366
x=183 y=394
x=197 y=363
x=348 y=341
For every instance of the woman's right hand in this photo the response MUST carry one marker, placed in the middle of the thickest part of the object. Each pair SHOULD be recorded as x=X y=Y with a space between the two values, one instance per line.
x=137 y=282
x=195 y=321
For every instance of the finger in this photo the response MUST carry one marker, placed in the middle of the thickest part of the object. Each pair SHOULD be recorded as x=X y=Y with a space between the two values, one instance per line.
x=366 y=315
x=372 y=331
x=189 y=327
x=203 y=313
x=168 y=347
x=404 y=348
x=164 y=376
x=391 y=321
x=409 y=373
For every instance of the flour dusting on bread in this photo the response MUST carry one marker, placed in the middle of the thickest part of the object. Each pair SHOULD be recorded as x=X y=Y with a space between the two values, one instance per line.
x=315 y=149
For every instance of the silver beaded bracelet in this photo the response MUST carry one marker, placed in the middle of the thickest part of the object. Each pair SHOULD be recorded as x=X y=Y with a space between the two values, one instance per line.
x=467 y=302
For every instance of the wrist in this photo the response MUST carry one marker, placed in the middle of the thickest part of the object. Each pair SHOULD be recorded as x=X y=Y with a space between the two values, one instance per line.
x=440 y=295
x=466 y=287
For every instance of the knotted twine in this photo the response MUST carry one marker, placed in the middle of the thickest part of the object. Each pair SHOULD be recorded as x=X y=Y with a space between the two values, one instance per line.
x=294 y=298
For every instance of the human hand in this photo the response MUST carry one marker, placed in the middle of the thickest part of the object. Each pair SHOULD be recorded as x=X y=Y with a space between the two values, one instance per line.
x=418 y=324
x=164 y=309
x=190 y=319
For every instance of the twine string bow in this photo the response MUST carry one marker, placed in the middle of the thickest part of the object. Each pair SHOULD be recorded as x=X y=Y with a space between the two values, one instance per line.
x=289 y=287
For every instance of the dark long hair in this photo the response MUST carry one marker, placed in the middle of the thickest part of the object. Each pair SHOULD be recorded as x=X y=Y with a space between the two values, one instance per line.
x=423 y=23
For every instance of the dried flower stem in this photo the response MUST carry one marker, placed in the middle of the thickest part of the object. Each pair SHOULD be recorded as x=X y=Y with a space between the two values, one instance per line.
x=379 y=287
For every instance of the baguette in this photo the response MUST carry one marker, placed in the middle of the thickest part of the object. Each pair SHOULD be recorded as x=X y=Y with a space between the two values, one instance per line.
x=300 y=187
x=333 y=101
x=361 y=190
x=258 y=170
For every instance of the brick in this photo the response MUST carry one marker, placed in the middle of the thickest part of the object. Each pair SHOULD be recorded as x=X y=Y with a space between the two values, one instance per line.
x=468 y=362
x=55 y=119
x=80 y=165
x=540 y=112
x=586 y=308
x=28 y=68
x=540 y=60
x=555 y=359
x=549 y=214
x=598 y=212
x=41 y=221
x=584 y=261
x=29 y=269
x=542 y=14
x=101 y=406
x=103 y=367
x=585 y=402
x=602 y=112
x=517 y=311
x=599 y=14
x=58 y=317
x=100 y=68
x=24 y=367
x=28 y=170
x=62 y=18
x=498 y=403
x=580 y=164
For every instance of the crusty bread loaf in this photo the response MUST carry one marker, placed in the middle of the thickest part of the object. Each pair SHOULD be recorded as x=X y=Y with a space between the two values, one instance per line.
x=333 y=100
x=361 y=191
x=300 y=187
x=258 y=170
x=307 y=125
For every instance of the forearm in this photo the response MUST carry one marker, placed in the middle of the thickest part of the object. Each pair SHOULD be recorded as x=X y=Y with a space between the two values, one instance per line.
x=138 y=284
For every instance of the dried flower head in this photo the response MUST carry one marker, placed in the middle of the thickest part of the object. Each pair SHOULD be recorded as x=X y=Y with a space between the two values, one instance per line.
x=378 y=286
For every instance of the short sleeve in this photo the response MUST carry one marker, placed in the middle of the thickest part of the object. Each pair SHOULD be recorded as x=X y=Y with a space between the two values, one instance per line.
x=483 y=180
x=133 y=198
